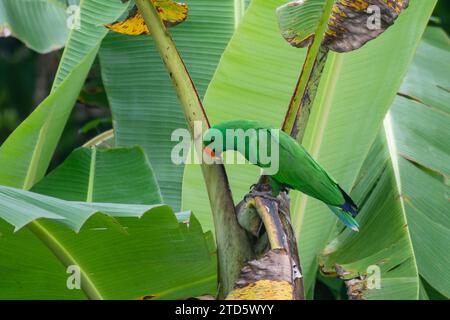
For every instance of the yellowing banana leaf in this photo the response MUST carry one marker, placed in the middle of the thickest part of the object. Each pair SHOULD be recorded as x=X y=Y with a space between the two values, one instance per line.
x=40 y=24
x=121 y=249
x=341 y=26
x=402 y=189
x=171 y=14
x=103 y=140
x=347 y=24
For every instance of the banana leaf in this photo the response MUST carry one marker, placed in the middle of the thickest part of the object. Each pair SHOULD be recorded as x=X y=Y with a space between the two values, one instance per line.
x=403 y=187
x=93 y=173
x=383 y=248
x=420 y=133
x=123 y=250
x=26 y=154
x=40 y=24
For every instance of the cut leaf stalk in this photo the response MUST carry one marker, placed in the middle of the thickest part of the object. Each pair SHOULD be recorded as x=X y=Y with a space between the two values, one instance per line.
x=306 y=88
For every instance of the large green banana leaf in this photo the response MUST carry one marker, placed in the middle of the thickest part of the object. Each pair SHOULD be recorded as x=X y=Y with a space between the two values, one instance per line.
x=25 y=155
x=385 y=241
x=145 y=107
x=347 y=114
x=123 y=250
x=40 y=24
x=20 y=207
x=420 y=138
x=93 y=173
x=402 y=188
x=255 y=79
x=87 y=39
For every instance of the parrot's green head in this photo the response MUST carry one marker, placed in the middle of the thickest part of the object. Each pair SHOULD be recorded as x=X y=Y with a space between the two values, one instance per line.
x=230 y=135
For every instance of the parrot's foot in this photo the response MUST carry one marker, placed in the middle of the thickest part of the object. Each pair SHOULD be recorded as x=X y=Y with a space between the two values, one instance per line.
x=262 y=194
x=260 y=187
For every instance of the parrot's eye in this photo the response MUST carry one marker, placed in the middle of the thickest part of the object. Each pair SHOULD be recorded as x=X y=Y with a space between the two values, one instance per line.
x=210 y=140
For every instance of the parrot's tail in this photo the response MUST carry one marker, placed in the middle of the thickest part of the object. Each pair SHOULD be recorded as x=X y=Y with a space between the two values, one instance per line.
x=349 y=205
x=347 y=212
x=346 y=218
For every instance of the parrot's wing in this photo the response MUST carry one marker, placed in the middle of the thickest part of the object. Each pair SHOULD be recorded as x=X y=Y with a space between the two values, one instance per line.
x=347 y=210
x=296 y=150
x=303 y=173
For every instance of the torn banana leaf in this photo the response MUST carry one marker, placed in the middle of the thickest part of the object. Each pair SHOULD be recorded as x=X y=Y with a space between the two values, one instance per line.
x=138 y=255
x=350 y=25
x=125 y=245
x=402 y=189
x=171 y=14
x=118 y=178
x=378 y=262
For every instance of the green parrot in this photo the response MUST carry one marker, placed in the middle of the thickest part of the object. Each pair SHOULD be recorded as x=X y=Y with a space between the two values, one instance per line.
x=296 y=170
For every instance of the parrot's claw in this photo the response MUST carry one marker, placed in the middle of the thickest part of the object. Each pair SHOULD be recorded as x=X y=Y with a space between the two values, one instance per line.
x=265 y=195
x=260 y=187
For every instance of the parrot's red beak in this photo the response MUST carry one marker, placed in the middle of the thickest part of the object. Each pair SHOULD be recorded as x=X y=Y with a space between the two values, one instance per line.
x=210 y=152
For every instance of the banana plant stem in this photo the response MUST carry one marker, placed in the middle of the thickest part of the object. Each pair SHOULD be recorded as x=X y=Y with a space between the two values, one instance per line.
x=232 y=243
